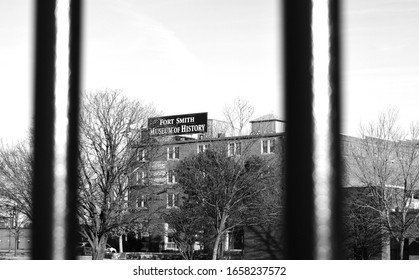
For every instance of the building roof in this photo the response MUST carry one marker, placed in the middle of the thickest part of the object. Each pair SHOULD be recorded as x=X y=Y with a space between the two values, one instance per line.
x=268 y=117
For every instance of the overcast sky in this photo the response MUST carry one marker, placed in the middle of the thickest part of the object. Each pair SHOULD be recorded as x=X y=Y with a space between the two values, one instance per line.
x=190 y=56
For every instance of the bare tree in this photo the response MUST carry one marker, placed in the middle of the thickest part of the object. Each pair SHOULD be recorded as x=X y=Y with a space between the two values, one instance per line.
x=110 y=130
x=16 y=176
x=224 y=190
x=386 y=162
x=16 y=187
x=362 y=227
x=264 y=237
x=185 y=229
x=14 y=221
x=238 y=115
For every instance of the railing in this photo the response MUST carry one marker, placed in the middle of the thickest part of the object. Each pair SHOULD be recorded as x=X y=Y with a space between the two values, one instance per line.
x=170 y=246
x=312 y=82
x=312 y=91
x=56 y=108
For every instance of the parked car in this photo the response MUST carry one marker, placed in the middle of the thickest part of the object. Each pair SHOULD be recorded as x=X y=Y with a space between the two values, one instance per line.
x=110 y=249
x=84 y=248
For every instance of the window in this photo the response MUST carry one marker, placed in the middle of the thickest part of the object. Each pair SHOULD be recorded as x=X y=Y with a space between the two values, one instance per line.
x=173 y=153
x=40 y=251
x=171 y=178
x=125 y=182
x=268 y=146
x=172 y=200
x=142 y=155
x=238 y=148
x=234 y=149
x=203 y=147
x=170 y=244
x=141 y=201
x=126 y=198
x=139 y=177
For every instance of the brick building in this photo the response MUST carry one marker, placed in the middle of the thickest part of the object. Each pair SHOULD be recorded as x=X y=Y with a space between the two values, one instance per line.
x=153 y=182
x=371 y=179
x=153 y=189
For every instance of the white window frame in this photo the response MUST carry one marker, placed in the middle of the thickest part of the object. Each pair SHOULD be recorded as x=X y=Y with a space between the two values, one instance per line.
x=142 y=154
x=171 y=177
x=232 y=149
x=141 y=201
x=125 y=182
x=204 y=148
x=126 y=198
x=270 y=149
x=171 y=153
x=139 y=177
x=174 y=200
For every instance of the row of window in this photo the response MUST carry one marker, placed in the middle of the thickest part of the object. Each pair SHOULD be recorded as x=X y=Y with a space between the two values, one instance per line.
x=233 y=149
x=139 y=177
x=172 y=201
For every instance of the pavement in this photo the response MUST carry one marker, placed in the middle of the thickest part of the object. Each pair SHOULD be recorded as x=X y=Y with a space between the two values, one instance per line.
x=11 y=255
x=25 y=255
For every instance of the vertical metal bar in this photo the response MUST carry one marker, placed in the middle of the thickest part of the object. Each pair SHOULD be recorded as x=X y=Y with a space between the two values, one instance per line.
x=55 y=146
x=326 y=128
x=298 y=104
x=44 y=129
x=312 y=112
x=73 y=131
x=335 y=124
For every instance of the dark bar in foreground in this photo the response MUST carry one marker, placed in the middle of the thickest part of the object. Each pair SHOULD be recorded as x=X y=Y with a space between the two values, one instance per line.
x=313 y=168
x=57 y=82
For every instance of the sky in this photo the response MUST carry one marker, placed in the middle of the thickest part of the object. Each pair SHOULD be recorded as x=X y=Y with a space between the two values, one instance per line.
x=190 y=56
x=381 y=61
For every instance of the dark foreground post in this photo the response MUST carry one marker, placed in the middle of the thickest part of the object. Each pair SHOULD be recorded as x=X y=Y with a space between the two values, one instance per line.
x=312 y=88
x=56 y=106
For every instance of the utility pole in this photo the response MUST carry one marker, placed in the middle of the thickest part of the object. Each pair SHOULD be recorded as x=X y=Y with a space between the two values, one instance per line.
x=10 y=232
x=14 y=225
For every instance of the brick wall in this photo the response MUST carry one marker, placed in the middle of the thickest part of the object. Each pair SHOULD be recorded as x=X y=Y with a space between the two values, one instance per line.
x=159 y=165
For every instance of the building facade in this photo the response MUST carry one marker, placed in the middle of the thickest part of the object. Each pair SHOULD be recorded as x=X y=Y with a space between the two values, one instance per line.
x=154 y=186
x=154 y=189
x=381 y=198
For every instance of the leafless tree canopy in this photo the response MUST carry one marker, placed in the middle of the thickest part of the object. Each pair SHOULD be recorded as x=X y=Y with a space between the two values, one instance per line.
x=16 y=177
x=185 y=229
x=225 y=191
x=110 y=130
x=363 y=228
x=238 y=115
x=386 y=161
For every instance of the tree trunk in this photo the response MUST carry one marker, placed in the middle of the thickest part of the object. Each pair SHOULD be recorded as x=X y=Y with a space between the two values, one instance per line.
x=121 y=244
x=220 y=234
x=186 y=250
x=16 y=242
x=191 y=251
x=98 y=248
x=401 y=248
x=216 y=245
